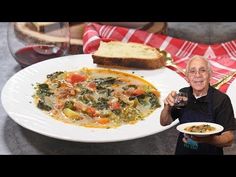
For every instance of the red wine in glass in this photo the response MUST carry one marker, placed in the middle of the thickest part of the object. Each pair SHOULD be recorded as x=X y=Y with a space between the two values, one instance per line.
x=30 y=44
x=35 y=53
x=181 y=100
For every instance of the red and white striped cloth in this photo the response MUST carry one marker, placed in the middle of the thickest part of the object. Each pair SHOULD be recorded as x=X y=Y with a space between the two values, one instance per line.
x=222 y=56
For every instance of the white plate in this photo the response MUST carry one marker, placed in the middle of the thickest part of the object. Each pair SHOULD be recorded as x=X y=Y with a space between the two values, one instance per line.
x=181 y=128
x=231 y=92
x=18 y=102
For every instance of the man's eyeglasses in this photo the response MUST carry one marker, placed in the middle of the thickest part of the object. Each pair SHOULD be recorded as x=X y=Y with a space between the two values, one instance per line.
x=200 y=71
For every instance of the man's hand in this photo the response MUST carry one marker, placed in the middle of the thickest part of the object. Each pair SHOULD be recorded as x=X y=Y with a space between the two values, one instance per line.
x=170 y=99
x=206 y=139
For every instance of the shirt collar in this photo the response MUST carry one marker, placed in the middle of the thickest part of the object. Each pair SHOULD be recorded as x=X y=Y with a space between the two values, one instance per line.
x=203 y=98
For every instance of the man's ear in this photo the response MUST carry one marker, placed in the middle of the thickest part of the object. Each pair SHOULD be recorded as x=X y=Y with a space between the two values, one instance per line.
x=210 y=75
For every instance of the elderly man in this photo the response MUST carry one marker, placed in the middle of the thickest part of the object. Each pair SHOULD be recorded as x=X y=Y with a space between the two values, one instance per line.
x=205 y=104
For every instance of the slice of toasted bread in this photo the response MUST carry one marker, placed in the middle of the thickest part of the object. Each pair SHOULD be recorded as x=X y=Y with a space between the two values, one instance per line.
x=116 y=53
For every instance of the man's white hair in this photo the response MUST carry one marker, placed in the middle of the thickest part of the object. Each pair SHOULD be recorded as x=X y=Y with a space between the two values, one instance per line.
x=198 y=57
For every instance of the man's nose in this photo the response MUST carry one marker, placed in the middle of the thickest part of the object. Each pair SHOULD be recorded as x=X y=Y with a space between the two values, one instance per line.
x=198 y=73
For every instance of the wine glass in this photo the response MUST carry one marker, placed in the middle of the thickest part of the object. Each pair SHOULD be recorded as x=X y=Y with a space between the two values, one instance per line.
x=181 y=100
x=32 y=42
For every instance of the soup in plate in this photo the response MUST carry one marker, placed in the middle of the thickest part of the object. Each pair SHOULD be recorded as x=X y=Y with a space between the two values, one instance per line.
x=96 y=98
x=204 y=128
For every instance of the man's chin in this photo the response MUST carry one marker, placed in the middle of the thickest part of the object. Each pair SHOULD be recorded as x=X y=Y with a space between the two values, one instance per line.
x=198 y=87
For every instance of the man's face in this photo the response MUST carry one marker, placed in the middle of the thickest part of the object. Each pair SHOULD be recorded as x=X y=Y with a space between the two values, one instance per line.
x=198 y=75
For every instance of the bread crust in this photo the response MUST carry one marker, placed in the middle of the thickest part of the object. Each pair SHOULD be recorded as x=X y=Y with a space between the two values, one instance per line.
x=130 y=62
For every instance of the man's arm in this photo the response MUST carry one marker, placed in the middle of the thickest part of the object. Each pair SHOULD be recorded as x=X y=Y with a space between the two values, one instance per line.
x=223 y=140
x=165 y=118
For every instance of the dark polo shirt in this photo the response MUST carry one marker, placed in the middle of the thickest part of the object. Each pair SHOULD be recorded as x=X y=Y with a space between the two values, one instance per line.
x=222 y=109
